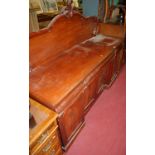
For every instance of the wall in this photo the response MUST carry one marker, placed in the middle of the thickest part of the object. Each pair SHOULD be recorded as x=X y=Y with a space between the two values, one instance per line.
x=90 y=7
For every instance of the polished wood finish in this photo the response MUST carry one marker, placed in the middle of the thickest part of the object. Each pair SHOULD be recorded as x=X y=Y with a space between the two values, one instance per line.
x=68 y=31
x=43 y=136
x=72 y=118
x=112 y=30
x=70 y=65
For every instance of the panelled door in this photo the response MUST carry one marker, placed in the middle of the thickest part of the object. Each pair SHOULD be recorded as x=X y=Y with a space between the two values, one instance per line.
x=72 y=118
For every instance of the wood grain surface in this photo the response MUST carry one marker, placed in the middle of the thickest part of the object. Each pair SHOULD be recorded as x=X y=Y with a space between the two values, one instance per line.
x=70 y=65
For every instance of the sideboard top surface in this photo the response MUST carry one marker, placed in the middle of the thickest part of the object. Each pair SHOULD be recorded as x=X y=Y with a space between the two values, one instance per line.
x=51 y=82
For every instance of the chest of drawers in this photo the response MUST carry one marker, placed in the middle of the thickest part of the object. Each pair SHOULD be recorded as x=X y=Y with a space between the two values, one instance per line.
x=43 y=131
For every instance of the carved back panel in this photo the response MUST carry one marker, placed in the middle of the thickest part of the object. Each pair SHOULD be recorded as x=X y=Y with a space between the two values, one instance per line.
x=62 y=33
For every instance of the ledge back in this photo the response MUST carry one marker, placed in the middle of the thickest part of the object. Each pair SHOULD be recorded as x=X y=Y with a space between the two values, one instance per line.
x=62 y=33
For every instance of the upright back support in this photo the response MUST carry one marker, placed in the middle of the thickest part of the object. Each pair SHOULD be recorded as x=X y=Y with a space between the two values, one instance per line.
x=62 y=33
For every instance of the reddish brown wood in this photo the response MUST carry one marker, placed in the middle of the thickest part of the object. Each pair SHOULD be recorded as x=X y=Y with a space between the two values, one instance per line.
x=63 y=32
x=112 y=30
x=70 y=68
x=72 y=116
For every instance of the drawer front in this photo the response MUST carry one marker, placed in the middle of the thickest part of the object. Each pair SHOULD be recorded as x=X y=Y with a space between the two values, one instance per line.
x=56 y=151
x=44 y=136
x=71 y=118
x=52 y=138
x=49 y=149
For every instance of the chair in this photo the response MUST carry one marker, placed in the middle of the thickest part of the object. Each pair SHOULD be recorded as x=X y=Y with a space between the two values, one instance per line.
x=112 y=21
x=113 y=24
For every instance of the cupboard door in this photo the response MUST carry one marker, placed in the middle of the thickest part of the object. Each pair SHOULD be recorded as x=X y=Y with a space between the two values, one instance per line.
x=90 y=91
x=108 y=72
x=71 y=119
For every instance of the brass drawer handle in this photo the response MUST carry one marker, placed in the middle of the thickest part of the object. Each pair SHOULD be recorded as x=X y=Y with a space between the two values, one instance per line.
x=43 y=136
x=47 y=147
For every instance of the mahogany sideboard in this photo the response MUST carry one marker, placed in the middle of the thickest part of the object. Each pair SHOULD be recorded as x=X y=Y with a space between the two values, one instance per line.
x=71 y=63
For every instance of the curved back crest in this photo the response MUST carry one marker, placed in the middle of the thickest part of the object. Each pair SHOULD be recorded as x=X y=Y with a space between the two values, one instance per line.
x=62 y=33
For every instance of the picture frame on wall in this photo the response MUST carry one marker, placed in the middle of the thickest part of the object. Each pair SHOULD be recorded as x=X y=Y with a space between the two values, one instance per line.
x=34 y=4
x=49 y=5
